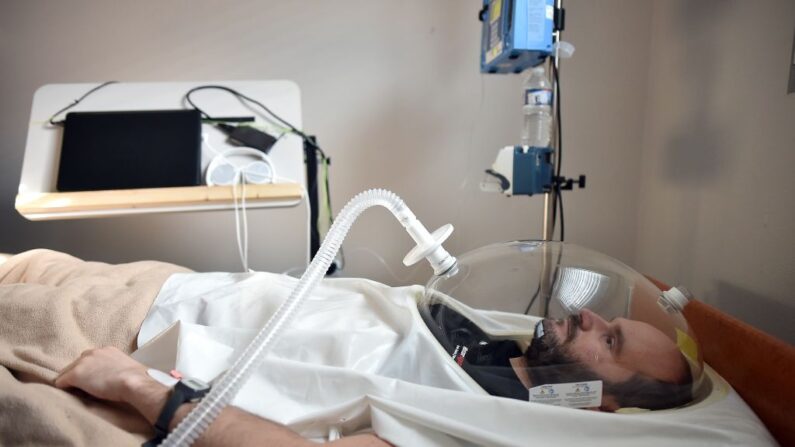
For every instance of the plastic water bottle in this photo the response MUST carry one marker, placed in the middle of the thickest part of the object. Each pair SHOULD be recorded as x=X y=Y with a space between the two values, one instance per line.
x=537 y=109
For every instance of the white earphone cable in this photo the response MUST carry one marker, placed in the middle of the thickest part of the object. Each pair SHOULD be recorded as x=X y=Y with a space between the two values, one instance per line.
x=241 y=209
x=240 y=242
x=245 y=227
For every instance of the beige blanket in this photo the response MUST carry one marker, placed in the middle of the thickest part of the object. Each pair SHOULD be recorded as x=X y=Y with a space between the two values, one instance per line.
x=53 y=307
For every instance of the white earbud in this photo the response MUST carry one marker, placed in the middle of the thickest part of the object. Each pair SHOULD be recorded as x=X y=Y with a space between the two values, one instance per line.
x=227 y=167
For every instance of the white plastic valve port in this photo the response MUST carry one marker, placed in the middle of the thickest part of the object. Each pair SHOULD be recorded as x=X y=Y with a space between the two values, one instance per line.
x=677 y=297
x=564 y=49
x=423 y=250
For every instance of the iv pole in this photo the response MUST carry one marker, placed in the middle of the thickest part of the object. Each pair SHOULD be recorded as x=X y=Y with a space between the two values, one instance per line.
x=549 y=266
x=551 y=197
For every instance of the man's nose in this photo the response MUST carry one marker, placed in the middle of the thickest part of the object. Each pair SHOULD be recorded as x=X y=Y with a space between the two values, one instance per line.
x=590 y=320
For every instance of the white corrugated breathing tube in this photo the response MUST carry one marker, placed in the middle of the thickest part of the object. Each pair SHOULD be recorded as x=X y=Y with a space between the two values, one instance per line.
x=428 y=246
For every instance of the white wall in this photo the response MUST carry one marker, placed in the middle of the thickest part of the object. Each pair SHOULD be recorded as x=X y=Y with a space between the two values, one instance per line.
x=716 y=209
x=393 y=91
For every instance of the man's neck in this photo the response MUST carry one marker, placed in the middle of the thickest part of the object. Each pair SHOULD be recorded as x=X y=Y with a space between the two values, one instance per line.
x=520 y=368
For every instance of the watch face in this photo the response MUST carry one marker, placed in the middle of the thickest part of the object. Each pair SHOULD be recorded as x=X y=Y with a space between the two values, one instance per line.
x=195 y=384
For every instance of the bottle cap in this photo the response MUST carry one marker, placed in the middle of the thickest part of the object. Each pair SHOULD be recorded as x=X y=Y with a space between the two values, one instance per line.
x=563 y=49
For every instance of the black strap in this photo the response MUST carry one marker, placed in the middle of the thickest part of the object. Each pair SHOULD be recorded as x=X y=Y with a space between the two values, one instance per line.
x=310 y=158
x=175 y=400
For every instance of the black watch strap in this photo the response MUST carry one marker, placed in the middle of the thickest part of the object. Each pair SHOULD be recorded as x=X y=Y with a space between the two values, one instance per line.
x=179 y=395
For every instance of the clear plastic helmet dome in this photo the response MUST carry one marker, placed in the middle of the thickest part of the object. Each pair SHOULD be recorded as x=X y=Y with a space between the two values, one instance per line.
x=556 y=323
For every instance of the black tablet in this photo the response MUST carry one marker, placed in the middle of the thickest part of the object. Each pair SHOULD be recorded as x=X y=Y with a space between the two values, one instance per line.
x=130 y=149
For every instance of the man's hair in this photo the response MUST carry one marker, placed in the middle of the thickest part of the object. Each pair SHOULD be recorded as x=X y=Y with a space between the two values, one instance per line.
x=644 y=392
x=551 y=363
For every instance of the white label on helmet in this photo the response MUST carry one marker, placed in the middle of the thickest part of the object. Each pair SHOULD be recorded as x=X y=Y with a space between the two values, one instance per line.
x=571 y=395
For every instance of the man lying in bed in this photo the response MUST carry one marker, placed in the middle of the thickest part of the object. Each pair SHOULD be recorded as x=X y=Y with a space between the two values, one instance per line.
x=72 y=323
x=109 y=374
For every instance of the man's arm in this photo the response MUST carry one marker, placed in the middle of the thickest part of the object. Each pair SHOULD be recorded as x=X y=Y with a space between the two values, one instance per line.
x=109 y=374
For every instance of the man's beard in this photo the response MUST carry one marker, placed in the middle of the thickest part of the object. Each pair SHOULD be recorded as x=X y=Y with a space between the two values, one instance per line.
x=546 y=347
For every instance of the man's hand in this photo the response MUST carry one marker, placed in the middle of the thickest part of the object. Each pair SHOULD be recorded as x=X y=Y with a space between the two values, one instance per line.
x=105 y=373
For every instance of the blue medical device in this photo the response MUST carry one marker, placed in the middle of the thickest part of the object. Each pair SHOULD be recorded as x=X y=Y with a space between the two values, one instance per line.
x=517 y=34
x=523 y=170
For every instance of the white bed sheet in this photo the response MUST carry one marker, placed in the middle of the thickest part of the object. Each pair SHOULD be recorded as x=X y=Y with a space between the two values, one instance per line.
x=359 y=358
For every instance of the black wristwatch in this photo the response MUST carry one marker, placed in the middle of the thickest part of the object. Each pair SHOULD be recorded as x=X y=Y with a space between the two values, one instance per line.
x=186 y=390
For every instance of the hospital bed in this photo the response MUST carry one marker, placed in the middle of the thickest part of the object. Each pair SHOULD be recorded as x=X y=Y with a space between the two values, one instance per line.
x=757 y=365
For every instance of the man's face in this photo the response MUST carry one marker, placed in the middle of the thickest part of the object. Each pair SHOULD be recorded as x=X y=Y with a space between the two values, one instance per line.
x=618 y=349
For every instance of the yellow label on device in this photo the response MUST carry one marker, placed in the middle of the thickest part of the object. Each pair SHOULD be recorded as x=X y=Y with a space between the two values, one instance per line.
x=494 y=52
x=687 y=345
x=496 y=9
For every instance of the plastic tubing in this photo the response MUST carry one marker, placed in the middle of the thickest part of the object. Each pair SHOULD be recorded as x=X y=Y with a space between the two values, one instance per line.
x=197 y=421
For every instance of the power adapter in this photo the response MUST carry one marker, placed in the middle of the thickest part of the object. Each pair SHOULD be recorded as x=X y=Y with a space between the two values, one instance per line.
x=248 y=136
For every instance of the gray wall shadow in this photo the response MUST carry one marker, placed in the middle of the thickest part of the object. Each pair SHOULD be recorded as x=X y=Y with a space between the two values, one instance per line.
x=759 y=311
x=694 y=153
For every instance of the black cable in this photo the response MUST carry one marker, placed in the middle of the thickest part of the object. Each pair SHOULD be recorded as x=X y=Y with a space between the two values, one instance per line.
x=555 y=192
x=76 y=102
x=310 y=154
x=555 y=277
x=533 y=299
x=341 y=252
x=548 y=298
x=559 y=160
x=557 y=113
x=327 y=162
x=562 y=224
x=239 y=95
